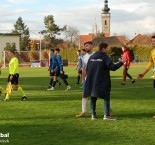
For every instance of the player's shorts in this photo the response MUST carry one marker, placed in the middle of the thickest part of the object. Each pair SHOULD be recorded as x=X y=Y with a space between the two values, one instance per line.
x=14 y=80
x=51 y=73
x=84 y=86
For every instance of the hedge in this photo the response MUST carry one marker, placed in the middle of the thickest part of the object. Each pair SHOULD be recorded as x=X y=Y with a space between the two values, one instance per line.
x=140 y=52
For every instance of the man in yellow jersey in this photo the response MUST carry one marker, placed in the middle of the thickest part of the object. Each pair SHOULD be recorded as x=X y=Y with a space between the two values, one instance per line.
x=150 y=64
x=14 y=75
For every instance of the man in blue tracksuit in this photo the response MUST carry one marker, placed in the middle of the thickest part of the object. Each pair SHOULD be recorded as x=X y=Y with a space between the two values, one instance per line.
x=98 y=82
x=52 y=69
x=59 y=68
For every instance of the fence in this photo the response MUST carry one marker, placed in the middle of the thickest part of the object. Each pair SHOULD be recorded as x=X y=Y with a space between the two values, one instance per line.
x=42 y=58
x=28 y=58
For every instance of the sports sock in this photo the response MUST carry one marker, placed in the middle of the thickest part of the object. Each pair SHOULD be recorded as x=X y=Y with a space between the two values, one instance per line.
x=51 y=81
x=54 y=83
x=84 y=105
x=57 y=81
x=66 y=83
x=21 y=91
x=78 y=79
x=7 y=96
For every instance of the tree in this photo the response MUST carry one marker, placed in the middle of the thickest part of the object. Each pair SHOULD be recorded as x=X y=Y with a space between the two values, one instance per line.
x=72 y=35
x=51 y=32
x=21 y=28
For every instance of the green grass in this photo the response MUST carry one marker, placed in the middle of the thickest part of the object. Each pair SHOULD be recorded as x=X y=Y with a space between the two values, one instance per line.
x=48 y=118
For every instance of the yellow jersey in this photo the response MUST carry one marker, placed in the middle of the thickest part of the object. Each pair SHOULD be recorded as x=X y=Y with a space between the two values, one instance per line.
x=13 y=66
x=151 y=60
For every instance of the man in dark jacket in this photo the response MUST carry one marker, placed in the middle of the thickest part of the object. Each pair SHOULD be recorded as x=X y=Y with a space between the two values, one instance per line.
x=98 y=82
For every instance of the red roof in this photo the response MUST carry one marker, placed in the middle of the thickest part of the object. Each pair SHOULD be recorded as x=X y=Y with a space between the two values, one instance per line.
x=85 y=38
x=122 y=39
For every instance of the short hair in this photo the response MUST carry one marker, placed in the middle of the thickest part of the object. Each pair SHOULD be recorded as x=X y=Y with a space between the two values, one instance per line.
x=83 y=50
x=125 y=47
x=52 y=50
x=12 y=51
x=153 y=36
x=57 y=49
x=79 y=51
x=88 y=42
x=103 y=45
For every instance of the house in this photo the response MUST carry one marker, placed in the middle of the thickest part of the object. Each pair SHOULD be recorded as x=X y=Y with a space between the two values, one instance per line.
x=9 y=39
x=85 y=38
x=122 y=39
x=111 y=41
x=140 y=40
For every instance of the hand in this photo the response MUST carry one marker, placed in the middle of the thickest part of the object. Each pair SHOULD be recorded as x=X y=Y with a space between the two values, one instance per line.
x=154 y=70
x=61 y=72
x=124 y=60
x=52 y=71
x=82 y=81
x=140 y=76
x=11 y=77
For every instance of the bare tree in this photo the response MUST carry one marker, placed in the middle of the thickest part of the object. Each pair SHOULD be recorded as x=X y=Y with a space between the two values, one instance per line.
x=71 y=34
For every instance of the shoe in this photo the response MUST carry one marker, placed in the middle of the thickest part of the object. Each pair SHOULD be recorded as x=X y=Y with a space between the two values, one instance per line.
x=59 y=83
x=24 y=98
x=133 y=81
x=5 y=100
x=81 y=115
x=50 y=89
x=68 y=88
x=123 y=83
x=77 y=83
x=93 y=117
x=109 y=118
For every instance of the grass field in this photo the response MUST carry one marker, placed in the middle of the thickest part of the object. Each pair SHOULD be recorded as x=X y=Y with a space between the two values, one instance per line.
x=48 y=118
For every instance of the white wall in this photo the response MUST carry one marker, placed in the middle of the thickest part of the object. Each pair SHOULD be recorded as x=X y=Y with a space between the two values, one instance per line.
x=9 y=39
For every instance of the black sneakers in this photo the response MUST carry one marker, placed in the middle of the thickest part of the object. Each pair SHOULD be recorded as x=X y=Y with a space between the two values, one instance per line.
x=24 y=98
x=133 y=81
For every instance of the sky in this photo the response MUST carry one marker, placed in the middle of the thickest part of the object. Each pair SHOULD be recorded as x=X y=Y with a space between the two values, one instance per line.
x=128 y=17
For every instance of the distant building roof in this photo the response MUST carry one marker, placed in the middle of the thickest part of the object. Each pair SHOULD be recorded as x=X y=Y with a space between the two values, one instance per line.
x=122 y=39
x=85 y=38
x=112 y=41
x=141 y=40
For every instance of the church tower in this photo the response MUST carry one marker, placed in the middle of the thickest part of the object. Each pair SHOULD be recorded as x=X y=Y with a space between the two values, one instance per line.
x=106 y=19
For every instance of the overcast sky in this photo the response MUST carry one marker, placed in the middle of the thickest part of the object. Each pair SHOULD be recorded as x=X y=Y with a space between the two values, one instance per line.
x=127 y=16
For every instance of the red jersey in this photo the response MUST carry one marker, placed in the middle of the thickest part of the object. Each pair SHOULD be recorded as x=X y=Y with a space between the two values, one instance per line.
x=126 y=55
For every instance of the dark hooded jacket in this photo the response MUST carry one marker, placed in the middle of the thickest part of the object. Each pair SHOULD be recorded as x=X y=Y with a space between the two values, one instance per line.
x=98 y=82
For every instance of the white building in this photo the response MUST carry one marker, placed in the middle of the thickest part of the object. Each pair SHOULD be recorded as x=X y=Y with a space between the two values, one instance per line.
x=9 y=39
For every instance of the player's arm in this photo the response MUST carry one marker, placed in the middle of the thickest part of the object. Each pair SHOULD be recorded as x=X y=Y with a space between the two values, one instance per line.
x=83 y=71
x=128 y=59
x=111 y=66
x=148 y=67
x=53 y=64
x=60 y=63
x=13 y=68
x=83 y=74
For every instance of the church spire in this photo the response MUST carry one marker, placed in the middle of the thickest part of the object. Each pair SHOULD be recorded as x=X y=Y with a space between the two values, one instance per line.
x=106 y=9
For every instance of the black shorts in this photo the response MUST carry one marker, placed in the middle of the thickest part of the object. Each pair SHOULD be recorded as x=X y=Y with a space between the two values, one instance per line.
x=14 y=80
